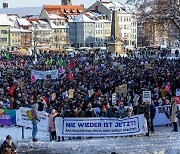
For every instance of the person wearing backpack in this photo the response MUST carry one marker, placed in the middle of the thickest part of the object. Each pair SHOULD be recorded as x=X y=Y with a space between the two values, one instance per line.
x=35 y=120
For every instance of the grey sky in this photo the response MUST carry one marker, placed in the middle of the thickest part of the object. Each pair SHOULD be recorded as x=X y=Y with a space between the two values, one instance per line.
x=26 y=3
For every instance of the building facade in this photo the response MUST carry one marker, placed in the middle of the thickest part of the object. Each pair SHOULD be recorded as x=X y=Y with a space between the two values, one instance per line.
x=127 y=20
x=4 y=32
x=82 y=31
x=41 y=34
x=57 y=15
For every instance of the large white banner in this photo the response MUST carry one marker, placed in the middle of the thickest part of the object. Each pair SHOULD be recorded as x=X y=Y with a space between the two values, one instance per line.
x=101 y=126
x=43 y=74
x=162 y=115
x=22 y=119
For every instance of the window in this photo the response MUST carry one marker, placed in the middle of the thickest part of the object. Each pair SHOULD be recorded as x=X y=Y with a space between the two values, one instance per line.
x=3 y=31
x=3 y=39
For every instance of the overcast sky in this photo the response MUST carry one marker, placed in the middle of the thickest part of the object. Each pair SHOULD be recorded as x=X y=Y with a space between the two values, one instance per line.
x=30 y=3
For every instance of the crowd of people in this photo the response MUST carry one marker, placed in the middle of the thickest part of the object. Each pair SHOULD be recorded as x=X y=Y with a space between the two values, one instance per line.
x=93 y=78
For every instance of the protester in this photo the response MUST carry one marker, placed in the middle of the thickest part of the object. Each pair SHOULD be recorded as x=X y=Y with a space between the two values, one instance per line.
x=51 y=125
x=173 y=114
x=122 y=112
x=87 y=81
x=151 y=111
x=8 y=146
x=35 y=121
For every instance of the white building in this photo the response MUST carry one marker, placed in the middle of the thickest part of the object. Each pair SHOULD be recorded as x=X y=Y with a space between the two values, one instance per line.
x=89 y=30
x=127 y=20
x=42 y=34
x=82 y=31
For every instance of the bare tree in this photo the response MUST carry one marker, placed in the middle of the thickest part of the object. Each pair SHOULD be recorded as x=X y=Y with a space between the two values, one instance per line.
x=165 y=14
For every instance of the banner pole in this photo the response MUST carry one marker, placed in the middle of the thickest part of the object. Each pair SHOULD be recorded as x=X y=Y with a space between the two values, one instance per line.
x=22 y=132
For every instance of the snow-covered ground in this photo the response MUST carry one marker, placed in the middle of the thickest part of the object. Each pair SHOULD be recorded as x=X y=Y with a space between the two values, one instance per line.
x=163 y=141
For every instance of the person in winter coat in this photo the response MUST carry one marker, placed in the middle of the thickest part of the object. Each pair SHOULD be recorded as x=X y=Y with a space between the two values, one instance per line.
x=121 y=110
x=35 y=121
x=130 y=111
x=151 y=111
x=173 y=114
x=51 y=125
x=143 y=109
x=90 y=111
x=112 y=111
x=8 y=146
x=104 y=112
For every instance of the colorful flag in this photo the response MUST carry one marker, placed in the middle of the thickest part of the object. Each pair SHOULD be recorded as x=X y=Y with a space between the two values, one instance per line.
x=47 y=62
x=60 y=62
x=50 y=60
x=70 y=76
x=65 y=62
x=11 y=90
x=33 y=79
x=61 y=70
x=7 y=56
x=71 y=65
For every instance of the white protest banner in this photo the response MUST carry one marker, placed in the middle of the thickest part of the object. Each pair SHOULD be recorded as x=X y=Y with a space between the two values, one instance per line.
x=101 y=126
x=146 y=96
x=178 y=92
x=97 y=111
x=162 y=115
x=114 y=98
x=22 y=119
x=43 y=74
x=136 y=98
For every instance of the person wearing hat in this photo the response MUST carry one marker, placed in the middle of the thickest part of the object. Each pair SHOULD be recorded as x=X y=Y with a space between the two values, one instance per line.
x=8 y=145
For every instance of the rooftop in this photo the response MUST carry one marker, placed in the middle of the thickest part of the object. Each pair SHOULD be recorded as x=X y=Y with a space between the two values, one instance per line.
x=4 y=20
x=22 y=11
x=64 y=10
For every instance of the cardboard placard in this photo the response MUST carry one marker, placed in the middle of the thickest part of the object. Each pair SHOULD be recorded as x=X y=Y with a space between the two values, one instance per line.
x=147 y=66
x=122 y=89
x=10 y=71
x=146 y=96
x=71 y=93
x=114 y=98
x=53 y=96
x=136 y=98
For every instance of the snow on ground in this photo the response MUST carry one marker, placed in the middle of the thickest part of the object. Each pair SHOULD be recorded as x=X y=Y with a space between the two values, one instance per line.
x=163 y=141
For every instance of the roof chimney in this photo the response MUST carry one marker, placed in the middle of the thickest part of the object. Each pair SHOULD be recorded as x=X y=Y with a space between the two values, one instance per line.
x=5 y=4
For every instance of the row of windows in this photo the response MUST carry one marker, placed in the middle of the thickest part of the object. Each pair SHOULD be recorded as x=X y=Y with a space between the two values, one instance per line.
x=61 y=38
x=4 y=32
x=16 y=41
x=127 y=35
x=99 y=25
x=43 y=33
x=57 y=23
x=3 y=39
x=61 y=30
x=107 y=31
x=124 y=18
x=99 y=32
x=88 y=24
x=99 y=39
